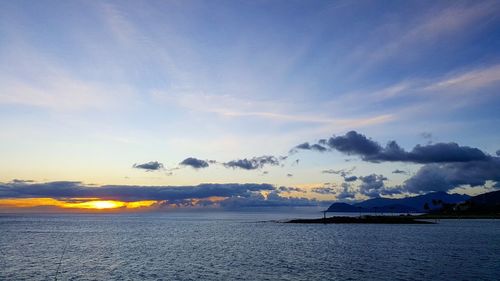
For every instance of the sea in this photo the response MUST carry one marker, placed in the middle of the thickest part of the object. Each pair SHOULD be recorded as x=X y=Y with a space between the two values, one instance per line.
x=231 y=245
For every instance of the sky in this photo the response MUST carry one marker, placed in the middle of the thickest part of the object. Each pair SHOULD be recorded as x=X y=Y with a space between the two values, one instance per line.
x=246 y=103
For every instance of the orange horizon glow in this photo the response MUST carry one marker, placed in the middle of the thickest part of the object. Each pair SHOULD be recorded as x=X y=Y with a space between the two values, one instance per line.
x=91 y=204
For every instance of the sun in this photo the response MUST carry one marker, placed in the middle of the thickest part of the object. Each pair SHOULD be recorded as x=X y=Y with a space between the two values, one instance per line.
x=96 y=204
x=105 y=204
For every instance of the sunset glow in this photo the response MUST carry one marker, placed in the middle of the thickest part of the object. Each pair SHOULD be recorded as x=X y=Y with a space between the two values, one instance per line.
x=93 y=204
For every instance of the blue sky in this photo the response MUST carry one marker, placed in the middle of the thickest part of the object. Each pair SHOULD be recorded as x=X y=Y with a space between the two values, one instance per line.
x=90 y=88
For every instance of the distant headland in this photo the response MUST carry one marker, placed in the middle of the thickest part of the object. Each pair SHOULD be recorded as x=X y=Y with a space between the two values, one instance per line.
x=431 y=206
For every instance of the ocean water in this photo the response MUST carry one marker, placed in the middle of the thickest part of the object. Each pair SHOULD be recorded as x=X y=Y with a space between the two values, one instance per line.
x=241 y=246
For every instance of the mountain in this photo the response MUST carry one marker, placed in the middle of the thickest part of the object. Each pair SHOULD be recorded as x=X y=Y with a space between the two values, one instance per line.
x=342 y=207
x=490 y=200
x=483 y=204
x=417 y=202
x=433 y=200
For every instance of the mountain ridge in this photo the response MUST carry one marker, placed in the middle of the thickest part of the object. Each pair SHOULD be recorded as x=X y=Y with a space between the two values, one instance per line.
x=432 y=200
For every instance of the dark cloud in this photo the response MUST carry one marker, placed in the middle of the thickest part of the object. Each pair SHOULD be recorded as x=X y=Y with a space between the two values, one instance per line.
x=150 y=166
x=350 y=178
x=343 y=172
x=324 y=190
x=330 y=171
x=372 y=185
x=273 y=199
x=235 y=195
x=354 y=143
x=446 y=176
x=397 y=171
x=446 y=165
x=346 y=193
x=68 y=189
x=307 y=146
x=445 y=152
x=290 y=189
x=21 y=181
x=253 y=163
x=195 y=163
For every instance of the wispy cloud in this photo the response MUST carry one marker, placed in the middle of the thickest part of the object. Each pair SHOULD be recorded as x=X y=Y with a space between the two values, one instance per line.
x=229 y=106
x=440 y=23
x=466 y=81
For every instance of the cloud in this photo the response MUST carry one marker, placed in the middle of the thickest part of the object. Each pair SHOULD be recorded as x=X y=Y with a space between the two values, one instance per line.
x=433 y=28
x=21 y=181
x=342 y=172
x=194 y=163
x=353 y=143
x=350 y=178
x=470 y=80
x=231 y=195
x=324 y=190
x=253 y=163
x=290 y=189
x=372 y=185
x=307 y=146
x=273 y=199
x=446 y=176
x=444 y=152
x=446 y=165
x=398 y=171
x=149 y=166
x=346 y=193
x=72 y=189
x=330 y=171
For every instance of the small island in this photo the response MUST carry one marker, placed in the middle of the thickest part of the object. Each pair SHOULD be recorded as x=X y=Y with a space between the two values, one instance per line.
x=363 y=219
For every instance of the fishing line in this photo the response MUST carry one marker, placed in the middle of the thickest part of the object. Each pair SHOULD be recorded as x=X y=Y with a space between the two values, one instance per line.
x=61 y=258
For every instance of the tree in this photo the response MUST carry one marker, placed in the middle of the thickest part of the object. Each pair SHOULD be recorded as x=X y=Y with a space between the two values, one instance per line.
x=426 y=206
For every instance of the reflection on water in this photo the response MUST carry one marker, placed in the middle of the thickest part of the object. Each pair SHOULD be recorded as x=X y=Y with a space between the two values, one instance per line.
x=239 y=246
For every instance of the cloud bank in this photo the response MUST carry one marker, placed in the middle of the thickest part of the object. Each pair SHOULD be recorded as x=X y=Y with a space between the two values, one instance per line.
x=353 y=143
x=231 y=195
x=444 y=177
x=445 y=165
